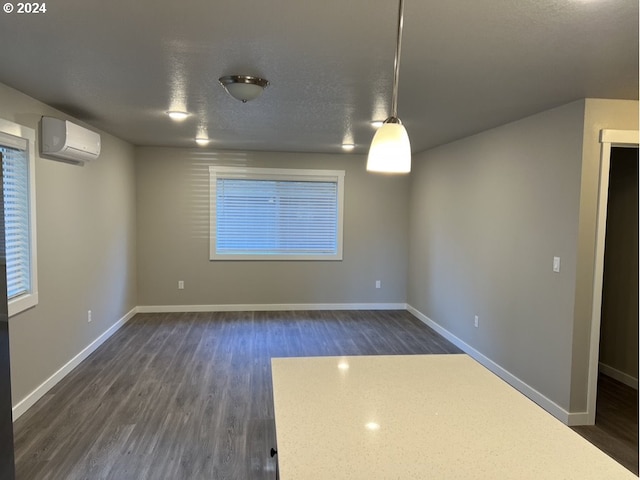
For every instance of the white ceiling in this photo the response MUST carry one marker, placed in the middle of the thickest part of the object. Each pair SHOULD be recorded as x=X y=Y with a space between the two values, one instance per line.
x=467 y=65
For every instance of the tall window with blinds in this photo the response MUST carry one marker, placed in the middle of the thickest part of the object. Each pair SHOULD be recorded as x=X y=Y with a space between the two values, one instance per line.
x=15 y=185
x=276 y=214
x=16 y=150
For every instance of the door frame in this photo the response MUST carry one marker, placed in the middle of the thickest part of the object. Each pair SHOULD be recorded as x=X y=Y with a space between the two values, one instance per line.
x=608 y=139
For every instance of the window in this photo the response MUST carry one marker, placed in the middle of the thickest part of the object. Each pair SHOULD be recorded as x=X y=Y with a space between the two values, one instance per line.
x=18 y=193
x=276 y=214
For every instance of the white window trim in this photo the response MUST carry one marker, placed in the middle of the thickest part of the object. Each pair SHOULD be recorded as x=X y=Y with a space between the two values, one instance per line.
x=28 y=300
x=216 y=172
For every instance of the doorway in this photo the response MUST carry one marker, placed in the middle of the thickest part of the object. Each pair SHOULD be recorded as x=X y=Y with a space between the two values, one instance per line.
x=618 y=355
x=616 y=144
x=609 y=139
x=617 y=391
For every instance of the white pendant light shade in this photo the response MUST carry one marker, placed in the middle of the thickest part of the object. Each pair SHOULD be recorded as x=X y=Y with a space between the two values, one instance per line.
x=390 y=150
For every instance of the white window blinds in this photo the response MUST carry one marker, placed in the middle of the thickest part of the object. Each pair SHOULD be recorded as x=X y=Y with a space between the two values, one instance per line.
x=276 y=214
x=18 y=195
x=15 y=184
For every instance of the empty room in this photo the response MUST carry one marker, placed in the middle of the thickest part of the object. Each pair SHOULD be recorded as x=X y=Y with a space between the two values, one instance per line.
x=319 y=240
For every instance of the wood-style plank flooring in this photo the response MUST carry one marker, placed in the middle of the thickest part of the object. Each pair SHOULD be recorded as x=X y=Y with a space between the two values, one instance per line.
x=188 y=396
x=616 y=428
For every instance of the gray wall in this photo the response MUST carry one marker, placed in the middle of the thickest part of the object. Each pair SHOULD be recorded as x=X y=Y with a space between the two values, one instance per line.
x=488 y=214
x=619 y=329
x=86 y=252
x=173 y=236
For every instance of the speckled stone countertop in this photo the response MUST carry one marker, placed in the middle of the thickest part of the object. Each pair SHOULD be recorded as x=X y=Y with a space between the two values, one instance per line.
x=419 y=417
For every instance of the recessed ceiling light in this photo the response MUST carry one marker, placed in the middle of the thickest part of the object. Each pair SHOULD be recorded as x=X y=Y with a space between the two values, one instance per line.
x=348 y=146
x=343 y=366
x=377 y=123
x=372 y=426
x=175 y=115
x=202 y=141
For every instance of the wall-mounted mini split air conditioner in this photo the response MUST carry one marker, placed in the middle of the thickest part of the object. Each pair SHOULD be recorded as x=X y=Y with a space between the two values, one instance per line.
x=68 y=142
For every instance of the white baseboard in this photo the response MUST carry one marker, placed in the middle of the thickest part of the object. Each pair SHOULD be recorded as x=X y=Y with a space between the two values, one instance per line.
x=549 y=405
x=577 y=419
x=618 y=375
x=270 y=307
x=554 y=409
x=23 y=405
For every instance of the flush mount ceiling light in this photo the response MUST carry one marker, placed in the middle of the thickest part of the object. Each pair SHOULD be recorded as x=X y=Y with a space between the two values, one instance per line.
x=176 y=115
x=390 y=150
x=243 y=87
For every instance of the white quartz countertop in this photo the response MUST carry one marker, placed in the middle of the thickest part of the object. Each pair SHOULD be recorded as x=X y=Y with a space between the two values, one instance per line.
x=419 y=417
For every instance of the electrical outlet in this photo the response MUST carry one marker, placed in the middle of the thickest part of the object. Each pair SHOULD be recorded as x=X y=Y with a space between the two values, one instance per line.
x=89 y=316
x=180 y=284
x=378 y=284
x=476 y=321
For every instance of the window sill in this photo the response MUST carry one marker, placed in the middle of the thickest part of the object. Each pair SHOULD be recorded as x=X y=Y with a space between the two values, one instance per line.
x=22 y=303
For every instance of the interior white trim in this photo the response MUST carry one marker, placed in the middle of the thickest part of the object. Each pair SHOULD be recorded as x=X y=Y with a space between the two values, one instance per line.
x=530 y=392
x=27 y=402
x=622 y=138
x=26 y=140
x=608 y=139
x=618 y=375
x=270 y=307
x=23 y=405
x=579 y=418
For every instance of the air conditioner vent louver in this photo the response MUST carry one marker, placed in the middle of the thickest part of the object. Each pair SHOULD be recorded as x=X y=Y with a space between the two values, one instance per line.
x=66 y=141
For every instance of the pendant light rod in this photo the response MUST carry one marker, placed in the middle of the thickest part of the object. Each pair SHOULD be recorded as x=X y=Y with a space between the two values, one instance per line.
x=396 y=71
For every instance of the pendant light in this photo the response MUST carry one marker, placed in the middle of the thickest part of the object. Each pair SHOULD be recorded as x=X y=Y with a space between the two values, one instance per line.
x=390 y=150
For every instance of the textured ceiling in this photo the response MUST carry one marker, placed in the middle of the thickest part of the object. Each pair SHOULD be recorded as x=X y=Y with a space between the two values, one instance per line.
x=467 y=65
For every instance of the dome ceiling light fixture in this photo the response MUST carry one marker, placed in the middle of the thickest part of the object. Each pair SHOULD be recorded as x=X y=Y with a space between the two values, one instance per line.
x=390 y=150
x=243 y=87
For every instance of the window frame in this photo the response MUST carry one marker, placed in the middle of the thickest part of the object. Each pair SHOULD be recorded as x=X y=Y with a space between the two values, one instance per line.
x=30 y=299
x=275 y=174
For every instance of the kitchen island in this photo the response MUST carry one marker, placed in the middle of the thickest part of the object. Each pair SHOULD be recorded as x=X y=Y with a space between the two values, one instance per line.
x=419 y=417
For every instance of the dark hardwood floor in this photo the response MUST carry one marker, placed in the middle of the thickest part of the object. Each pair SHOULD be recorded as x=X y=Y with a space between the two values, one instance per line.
x=188 y=396
x=616 y=428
